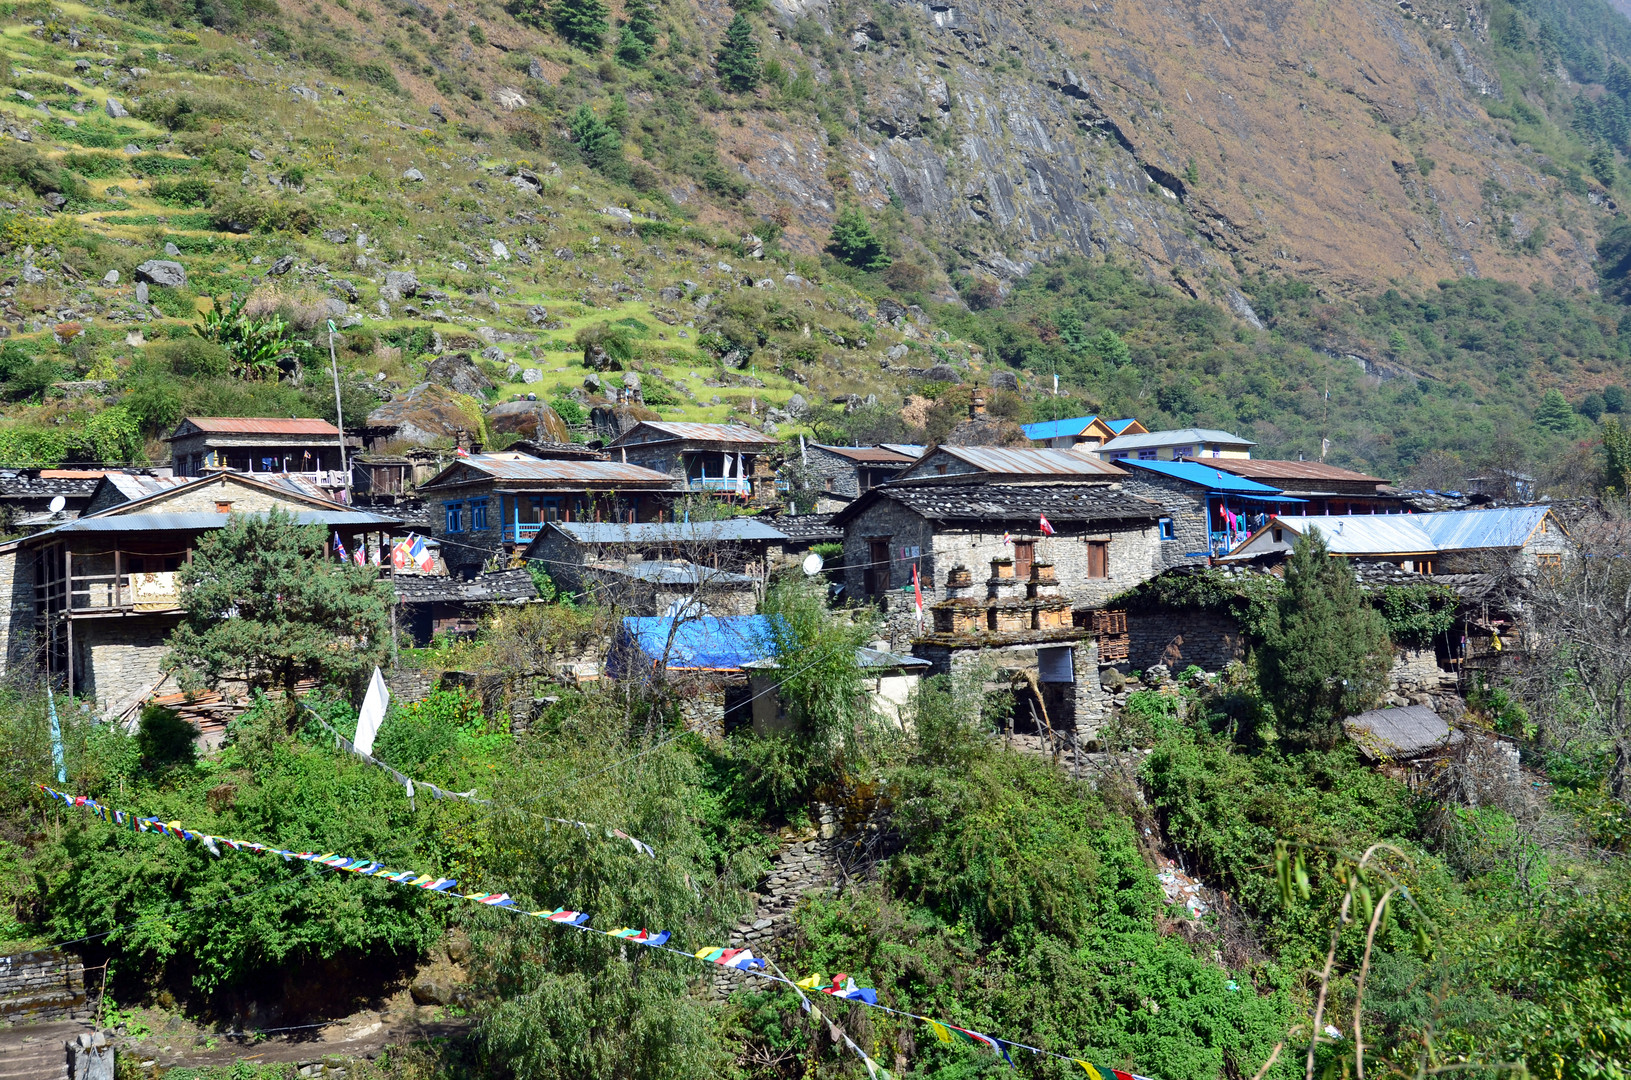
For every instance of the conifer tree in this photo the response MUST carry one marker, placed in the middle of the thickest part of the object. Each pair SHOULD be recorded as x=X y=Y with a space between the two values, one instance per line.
x=1553 y=413
x=854 y=243
x=739 y=56
x=1326 y=652
x=640 y=17
x=630 y=51
x=582 y=22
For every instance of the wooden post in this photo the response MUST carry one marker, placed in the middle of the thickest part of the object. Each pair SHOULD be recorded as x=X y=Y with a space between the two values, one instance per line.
x=118 y=574
x=68 y=609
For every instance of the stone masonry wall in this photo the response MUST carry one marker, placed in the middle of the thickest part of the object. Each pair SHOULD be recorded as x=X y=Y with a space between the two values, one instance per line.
x=1179 y=637
x=115 y=659
x=201 y=498
x=16 y=606
x=1185 y=504
x=838 y=470
x=39 y=986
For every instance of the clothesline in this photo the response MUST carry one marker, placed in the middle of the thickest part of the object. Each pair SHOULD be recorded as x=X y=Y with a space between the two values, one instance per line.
x=843 y=986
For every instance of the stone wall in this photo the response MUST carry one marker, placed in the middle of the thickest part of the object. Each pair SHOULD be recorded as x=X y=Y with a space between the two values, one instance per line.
x=1416 y=671
x=410 y=684
x=839 y=472
x=40 y=986
x=1185 y=504
x=1179 y=637
x=16 y=606
x=116 y=659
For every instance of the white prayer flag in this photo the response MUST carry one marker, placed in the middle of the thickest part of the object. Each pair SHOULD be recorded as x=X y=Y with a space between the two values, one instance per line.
x=372 y=714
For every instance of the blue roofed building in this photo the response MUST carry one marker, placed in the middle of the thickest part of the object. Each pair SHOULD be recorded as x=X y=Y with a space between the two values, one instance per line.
x=1449 y=542
x=1207 y=509
x=1084 y=433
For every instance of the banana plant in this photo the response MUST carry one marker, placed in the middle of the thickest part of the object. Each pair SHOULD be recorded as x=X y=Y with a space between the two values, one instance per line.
x=259 y=346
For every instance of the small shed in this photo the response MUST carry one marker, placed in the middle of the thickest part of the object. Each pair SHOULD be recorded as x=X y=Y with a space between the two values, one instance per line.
x=445 y=605
x=1406 y=734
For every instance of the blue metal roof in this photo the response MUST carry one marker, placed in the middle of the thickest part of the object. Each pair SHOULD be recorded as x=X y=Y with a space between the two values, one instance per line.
x=711 y=641
x=1193 y=472
x=1497 y=527
x=671 y=532
x=1059 y=429
x=1118 y=426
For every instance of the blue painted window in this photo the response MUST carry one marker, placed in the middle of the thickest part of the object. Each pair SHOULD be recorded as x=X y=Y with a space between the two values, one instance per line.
x=1166 y=529
x=455 y=517
x=478 y=514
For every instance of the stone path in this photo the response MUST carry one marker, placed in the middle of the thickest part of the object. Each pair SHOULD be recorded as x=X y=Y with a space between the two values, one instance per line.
x=35 y=1051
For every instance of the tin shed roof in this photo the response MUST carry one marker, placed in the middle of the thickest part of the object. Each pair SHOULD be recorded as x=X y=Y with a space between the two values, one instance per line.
x=1175 y=437
x=678 y=430
x=1263 y=469
x=868 y=455
x=1009 y=461
x=1192 y=472
x=254 y=425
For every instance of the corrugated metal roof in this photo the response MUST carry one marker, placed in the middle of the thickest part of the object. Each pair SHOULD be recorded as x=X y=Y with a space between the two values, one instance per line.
x=870 y=455
x=652 y=532
x=676 y=573
x=1118 y=426
x=1203 y=476
x=1008 y=461
x=1059 y=429
x=1176 y=437
x=1366 y=534
x=257 y=425
x=1499 y=527
x=1265 y=469
x=699 y=432
x=133 y=486
x=519 y=468
x=194 y=521
x=911 y=450
x=878 y=658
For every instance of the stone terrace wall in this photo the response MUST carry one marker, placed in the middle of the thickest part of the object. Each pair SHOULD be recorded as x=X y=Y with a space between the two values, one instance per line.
x=39 y=986
x=1179 y=637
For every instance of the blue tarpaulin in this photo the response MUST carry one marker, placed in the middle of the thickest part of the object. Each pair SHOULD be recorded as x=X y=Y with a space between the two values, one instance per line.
x=717 y=642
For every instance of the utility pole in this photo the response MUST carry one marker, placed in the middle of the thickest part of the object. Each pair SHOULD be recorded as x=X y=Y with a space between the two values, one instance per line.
x=339 y=416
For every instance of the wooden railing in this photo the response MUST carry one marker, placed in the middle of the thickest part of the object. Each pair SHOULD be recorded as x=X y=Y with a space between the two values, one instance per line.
x=156 y=591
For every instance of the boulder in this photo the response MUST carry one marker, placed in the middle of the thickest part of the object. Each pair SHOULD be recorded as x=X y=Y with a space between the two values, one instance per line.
x=170 y=275
x=304 y=93
x=493 y=353
x=537 y=315
x=432 y=988
x=1112 y=679
x=943 y=373
x=399 y=284
x=424 y=414
x=282 y=266
x=1003 y=379
x=532 y=375
x=797 y=407
x=591 y=383
x=611 y=421
x=413 y=176
x=458 y=373
x=596 y=358
x=532 y=420
x=499 y=250
x=171 y=250
x=535 y=70
x=631 y=380
x=116 y=110
x=337 y=236
x=110 y=278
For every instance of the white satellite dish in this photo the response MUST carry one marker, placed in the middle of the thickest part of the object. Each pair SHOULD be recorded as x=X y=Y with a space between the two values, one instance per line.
x=813 y=563
x=57 y=504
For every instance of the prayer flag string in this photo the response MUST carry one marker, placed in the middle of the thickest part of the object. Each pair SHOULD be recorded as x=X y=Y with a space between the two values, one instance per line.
x=841 y=986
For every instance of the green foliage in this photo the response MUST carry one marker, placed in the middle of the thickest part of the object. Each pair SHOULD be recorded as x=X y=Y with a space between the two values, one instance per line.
x=570 y=412
x=616 y=340
x=581 y=22
x=96 y=166
x=256 y=345
x=853 y=242
x=191 y=356
x=630 y=49
x=739 y=68
x=22 y=166
x=598 y=142
x=241 y=212
x=164 y=740
x=22 y=376
x=1252 y=599
x=263 y=604
x=1616 y=457
x=1326 y=653
x=640 y=19
x=187 y=192
x=191 y=111
x=1553 y=412
x=1416 y=614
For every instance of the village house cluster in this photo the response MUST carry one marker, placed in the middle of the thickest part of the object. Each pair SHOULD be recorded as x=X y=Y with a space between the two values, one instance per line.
x=1028 y=560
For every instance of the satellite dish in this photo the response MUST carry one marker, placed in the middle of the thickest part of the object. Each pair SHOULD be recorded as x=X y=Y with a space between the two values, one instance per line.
x=813 y=564
x=57 y=504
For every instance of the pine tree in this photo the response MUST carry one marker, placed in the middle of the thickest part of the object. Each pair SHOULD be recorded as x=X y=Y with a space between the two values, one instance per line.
x=640 y=17
x=630 y=51
x=853 y=241
x=1326 y=652
x=1553 y=412
x=598 y=141
x=739 y=56
x=1616 y=458
x=1602 y=163
x=582 y=22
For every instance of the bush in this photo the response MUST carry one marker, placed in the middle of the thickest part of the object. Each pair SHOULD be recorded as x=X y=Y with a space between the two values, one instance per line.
x=188 y=193
x=22 y=166
x=241 y=213
x=165 y=740
x=192 y=356
x=191 y=111
x=854 y=243
x=96 y=166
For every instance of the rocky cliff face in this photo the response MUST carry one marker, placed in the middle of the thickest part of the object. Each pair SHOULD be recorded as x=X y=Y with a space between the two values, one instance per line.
x=1205 y=141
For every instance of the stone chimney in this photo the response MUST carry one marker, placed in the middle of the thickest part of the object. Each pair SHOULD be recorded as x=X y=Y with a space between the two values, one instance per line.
x=976 y=404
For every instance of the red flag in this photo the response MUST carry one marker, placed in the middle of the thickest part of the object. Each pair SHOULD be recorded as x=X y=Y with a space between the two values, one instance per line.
x=1045 y=525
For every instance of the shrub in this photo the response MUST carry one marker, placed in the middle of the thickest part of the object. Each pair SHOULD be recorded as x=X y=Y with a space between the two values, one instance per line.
x=192 y=356
x=22 y=166
x=739 y=56
x=96 y=166
x=190 y=192
x=241 y=212
x=185 y=112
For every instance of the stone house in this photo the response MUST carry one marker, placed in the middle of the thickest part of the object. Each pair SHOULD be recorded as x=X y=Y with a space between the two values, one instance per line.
x=256 y=445
x=1175 y=445
x=575 y=552
x=1457 y=541
x=719 y=458
x=948 y=464
x=92 y=601
x=1104 y=541
x=486 y=505
x=1083 y=434
x=27 y=496
x=431 y=604
x=850 y=471
x=1208 y=510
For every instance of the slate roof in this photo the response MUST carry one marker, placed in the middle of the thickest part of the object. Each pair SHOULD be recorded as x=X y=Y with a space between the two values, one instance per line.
x=1402 y=733
x=1176 y=437
x=33 y=485
x=808 y=528
x=999 y=503
x=499 y=587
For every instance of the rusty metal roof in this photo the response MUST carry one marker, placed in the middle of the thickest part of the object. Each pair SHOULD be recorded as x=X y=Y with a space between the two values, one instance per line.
x=1263 y=469
x=520 y=468
x=255 y=425
x=1010 y=461
x=868 y=455
x=733 y=433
